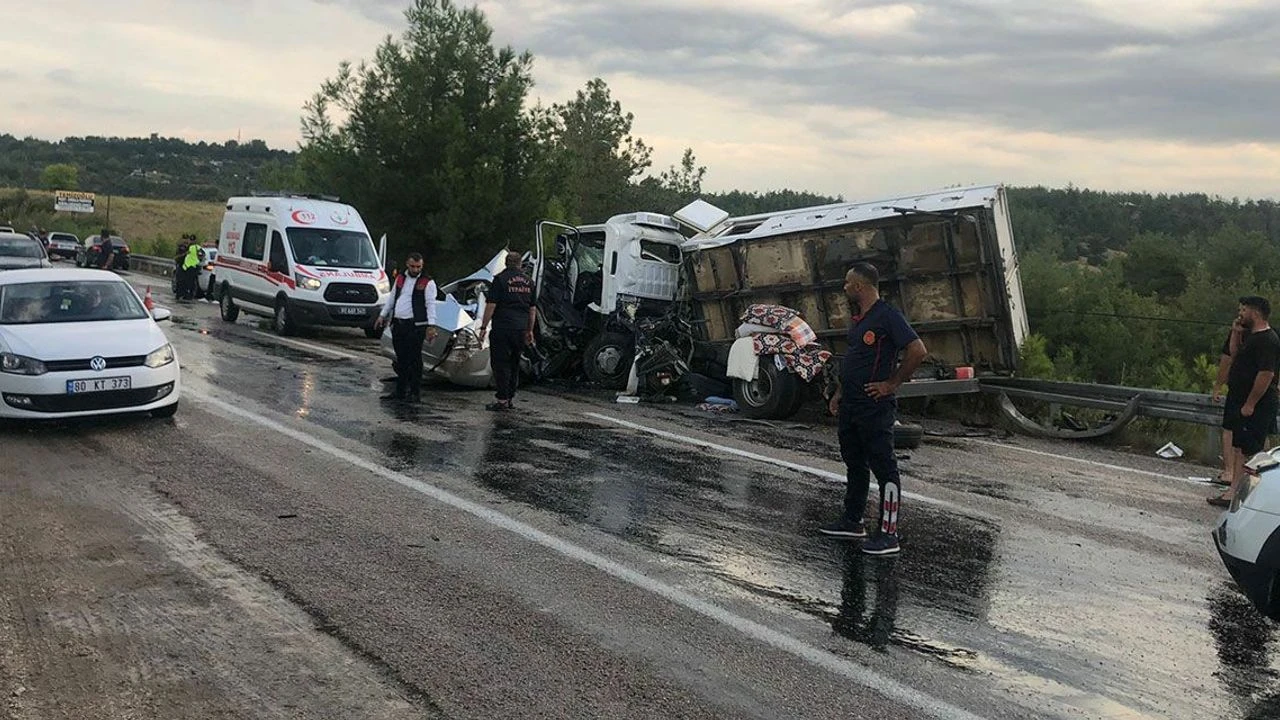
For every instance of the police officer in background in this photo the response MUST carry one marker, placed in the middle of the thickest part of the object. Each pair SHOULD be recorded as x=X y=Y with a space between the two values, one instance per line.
x=867 y=408
x=411 y=311
x=511 y=309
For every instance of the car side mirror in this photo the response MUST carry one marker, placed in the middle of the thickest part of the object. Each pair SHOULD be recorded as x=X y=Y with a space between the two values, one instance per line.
x=161 y=314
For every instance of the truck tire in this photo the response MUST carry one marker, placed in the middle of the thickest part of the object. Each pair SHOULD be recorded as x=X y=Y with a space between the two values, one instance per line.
x=774 y=394
x=227 y=306
x=907 y=436
x=282 y=319
x=607 y=360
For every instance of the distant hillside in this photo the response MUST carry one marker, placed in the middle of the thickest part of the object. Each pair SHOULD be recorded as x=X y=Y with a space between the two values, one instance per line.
x=1070 y=223
x=154 y=167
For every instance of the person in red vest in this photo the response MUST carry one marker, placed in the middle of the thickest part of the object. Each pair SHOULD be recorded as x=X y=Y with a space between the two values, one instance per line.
x=412 y=315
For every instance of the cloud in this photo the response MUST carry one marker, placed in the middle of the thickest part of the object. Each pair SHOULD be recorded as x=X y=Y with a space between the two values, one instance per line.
x=857 y=97
x=1090 y=69
x=62 y=76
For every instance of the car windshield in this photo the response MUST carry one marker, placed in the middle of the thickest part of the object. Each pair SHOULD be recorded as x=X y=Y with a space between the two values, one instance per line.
x=62 y=237
x=332 y=248
x=68 y=301
x=20 y=247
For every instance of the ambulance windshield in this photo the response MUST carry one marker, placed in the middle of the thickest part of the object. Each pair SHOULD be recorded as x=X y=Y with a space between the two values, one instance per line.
x=320 y=247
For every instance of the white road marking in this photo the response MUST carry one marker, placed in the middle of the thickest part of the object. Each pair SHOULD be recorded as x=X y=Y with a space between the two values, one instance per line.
x=724 y=449
x=308 y=346
x=1094 y=463
x=818 y=657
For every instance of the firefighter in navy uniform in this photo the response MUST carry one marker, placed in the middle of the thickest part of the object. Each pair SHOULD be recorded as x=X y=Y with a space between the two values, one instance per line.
x=867 y=408
x=512 y=310
x=412 y=315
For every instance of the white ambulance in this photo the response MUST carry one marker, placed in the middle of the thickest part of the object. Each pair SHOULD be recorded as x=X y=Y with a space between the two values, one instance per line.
x=300 y=260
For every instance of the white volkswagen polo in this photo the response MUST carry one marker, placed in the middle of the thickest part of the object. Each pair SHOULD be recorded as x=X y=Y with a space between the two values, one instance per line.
x=80 y=342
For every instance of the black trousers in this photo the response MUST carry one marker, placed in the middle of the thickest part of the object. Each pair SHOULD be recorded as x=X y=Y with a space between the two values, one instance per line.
x=187 y=280
x=407 y=339
x=505 y=347
x=866 y=446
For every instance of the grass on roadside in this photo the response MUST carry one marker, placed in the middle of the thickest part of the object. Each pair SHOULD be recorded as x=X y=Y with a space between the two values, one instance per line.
x=151 y=227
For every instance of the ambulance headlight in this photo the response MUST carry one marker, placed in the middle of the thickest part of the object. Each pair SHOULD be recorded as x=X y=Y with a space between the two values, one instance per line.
x=384 y=287
x=306 y=283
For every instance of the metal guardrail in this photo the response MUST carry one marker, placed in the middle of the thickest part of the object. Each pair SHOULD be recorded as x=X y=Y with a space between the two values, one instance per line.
x=151 y=265
x=1162 y=404
x=1126 y=403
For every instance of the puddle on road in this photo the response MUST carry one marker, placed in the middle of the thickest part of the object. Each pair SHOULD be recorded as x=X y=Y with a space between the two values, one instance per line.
x=751 y=529
x=1247 y=652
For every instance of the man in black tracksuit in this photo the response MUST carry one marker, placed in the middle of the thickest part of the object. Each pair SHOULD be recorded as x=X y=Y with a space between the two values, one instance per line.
x=867 y=408
x=1252 y=398
x=510 y=307
x=411 y=310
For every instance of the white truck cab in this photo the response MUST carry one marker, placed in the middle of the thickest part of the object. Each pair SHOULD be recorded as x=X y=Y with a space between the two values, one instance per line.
x=599 y=280
x=300 y=260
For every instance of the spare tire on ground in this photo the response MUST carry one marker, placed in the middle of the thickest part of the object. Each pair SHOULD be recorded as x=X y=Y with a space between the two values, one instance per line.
x=907 y=436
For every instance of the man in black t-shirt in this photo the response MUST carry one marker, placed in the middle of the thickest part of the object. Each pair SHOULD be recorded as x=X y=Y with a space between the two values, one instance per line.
x=867 y=408
x=511 y=309
x=1252 y=397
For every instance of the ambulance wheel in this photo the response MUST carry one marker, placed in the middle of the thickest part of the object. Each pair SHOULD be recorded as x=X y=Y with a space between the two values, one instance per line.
x=282 y=321
x=607 y=360
x=774 y=394
x=227 y=306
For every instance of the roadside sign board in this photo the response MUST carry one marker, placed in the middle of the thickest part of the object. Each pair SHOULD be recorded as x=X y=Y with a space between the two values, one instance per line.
x=72 y=201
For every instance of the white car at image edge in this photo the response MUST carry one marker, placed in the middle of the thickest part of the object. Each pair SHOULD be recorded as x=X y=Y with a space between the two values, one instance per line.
x=1248 y=534
x=76 y=343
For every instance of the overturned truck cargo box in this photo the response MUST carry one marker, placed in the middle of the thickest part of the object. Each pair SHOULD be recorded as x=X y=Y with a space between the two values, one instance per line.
x=946 y=259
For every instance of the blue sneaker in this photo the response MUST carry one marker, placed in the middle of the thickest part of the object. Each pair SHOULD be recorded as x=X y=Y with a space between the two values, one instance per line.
x=844 y=528
x=882 y=544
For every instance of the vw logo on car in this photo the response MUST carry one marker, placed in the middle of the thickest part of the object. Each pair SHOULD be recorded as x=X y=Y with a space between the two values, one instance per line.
x=98 y=363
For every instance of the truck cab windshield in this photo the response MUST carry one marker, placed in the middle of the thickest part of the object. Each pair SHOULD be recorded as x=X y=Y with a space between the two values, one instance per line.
x=321 y=247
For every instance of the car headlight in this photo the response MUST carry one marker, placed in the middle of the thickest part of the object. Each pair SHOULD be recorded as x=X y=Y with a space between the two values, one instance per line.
x=306 y=283
x=21 y=365
x=159 y=357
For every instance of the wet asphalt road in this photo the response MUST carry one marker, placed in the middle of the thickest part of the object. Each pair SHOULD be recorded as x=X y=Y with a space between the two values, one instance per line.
x=581 y=558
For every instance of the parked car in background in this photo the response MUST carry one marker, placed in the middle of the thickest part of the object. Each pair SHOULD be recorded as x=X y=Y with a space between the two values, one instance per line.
x=5 y=229
x=80 y=342
x=87 y=254
x=63 y=245
x=208 y=278
x=18 y=251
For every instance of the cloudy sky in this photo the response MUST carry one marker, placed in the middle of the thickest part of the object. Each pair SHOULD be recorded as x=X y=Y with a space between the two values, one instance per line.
x=856 y=97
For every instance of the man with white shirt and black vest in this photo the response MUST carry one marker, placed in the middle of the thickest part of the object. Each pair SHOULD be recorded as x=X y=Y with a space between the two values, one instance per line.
x=411 y=310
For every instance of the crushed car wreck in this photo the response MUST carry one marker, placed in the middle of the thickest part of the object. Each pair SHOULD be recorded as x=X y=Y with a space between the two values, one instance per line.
x=458 y=354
